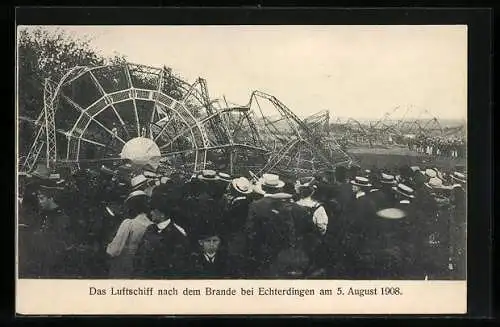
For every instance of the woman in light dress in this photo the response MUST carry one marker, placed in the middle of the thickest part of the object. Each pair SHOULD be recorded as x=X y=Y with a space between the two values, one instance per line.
x=123 y=247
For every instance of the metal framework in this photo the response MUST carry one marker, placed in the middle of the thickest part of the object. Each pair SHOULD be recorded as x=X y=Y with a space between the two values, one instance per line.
x=378 y=132
x=296 y=146
x=97 y=110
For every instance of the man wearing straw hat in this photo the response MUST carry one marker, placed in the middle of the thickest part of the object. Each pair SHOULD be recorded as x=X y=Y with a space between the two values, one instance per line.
x=427 y=213
x=314 y=226
x=354 y=220
x=200 y=198
x=269 y=226
x=235 y=205
x=360 y=202
x=383 y=196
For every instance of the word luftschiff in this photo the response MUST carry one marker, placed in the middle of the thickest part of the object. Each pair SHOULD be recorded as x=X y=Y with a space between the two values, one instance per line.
x=137 y=291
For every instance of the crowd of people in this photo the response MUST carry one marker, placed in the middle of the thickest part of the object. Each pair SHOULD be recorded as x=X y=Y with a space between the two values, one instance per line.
x=351 y=223
x=438 y=146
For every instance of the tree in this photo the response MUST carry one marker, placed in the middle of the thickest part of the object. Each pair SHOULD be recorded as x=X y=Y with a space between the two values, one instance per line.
x=41 y=55
x=44 y=53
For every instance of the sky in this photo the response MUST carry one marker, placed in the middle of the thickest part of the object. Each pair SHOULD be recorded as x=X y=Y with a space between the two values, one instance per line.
x=361 y=72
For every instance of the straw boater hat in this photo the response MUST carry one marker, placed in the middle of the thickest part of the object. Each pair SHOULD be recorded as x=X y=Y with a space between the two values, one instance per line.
x=430 y=173
x=391 y=213
x=242 y=185
x=458 y=177
x=106 y=170
x=404 y=190
x=135 y=194
x=50 y=188
x=149 y=174
x=224 y=177
x=387 y=179
x=361 y=181
x=434 y=182
x=208 y=175
x=138 y=181
x=272 y=181
x=165 y=180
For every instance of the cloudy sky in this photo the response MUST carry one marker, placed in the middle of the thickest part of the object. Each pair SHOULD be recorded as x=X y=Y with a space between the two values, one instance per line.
x=353 y=71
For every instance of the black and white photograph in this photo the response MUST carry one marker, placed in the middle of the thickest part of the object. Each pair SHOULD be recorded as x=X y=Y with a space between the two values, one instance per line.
x=261 y=152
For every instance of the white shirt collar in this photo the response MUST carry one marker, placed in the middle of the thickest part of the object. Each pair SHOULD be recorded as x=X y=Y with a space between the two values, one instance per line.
x=360 y=194
x=307 y=202
x=278 y=196
x=210 y=257
x=164 y=224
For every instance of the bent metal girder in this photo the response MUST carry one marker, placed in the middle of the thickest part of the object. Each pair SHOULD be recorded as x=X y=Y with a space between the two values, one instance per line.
x=97 y=110
x=99 y=118
x=288 y=135
x=45 y=134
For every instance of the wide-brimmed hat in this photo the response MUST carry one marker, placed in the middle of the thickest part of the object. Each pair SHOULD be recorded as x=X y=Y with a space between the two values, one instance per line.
x=208 y=175
x=149 y=174
x=136 y=194
x=361 y=181
x=106 y=170
x=459 y=177
x=242 y=185
x=164 y=198
x=387 y=179
x=434 y=182
x=391 y=213
x=224 y=177
x=138 y=182
x=271 y=180
x=404 y=190
x=430 y=173
x=50 y=188
x=165 y=180
x=415 y=168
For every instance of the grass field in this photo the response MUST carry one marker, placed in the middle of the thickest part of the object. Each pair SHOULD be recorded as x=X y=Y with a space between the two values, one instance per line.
x=395 y=157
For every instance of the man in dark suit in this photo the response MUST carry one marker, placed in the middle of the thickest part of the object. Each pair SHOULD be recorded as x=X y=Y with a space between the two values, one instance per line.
x=165 y=248
x=342 y=190
x=383 y=196
x=235 y=205
x=54 y=244
x=211 y=259
x=427 y=222
x=269 y=227
x=357 y=224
